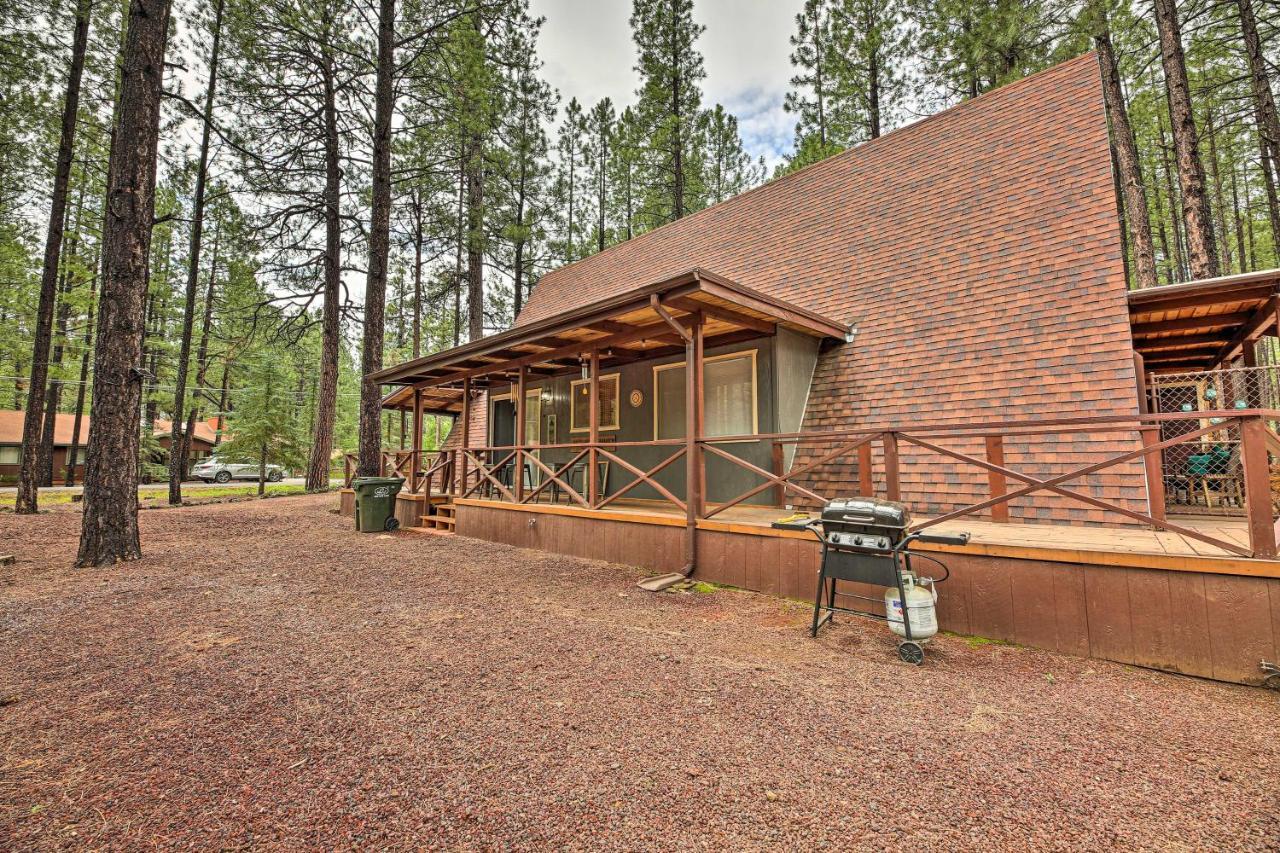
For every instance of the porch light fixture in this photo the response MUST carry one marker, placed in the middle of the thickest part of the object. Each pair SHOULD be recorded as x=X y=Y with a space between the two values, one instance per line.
x=586 y=369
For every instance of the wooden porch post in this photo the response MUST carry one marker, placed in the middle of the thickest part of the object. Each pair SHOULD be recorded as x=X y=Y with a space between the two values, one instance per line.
x=892 y=485
x=593 y=431
x=995 y=480
x=1154 y=464
x=1140 y=373
x=415 y=463
x=518 y=468
x=866 y=483
x=695 y=498
x=1257 y=486
x=466 y=435
x=779 y=461
x=1252 y=387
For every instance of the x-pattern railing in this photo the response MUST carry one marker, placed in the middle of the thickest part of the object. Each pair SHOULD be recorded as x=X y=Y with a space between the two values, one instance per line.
x=500 y=471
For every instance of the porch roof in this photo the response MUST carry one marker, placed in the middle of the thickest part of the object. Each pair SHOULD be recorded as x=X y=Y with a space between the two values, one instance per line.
x=1202 y=324
x=626 y=327
x=435 y=401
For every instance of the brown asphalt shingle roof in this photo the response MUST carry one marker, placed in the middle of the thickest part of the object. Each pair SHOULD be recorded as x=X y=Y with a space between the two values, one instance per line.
x=64 y=425
x=976 y=251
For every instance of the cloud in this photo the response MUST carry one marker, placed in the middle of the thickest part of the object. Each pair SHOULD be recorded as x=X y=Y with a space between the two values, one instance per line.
x=766 y=129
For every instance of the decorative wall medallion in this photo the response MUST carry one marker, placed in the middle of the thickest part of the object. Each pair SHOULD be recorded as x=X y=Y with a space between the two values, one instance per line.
x=637 y=398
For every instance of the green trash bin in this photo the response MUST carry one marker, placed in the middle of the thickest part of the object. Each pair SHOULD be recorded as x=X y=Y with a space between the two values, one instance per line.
x=376 y=503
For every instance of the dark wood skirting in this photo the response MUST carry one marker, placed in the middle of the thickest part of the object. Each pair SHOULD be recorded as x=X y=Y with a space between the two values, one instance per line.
x=410 y=509
x=1199 y=623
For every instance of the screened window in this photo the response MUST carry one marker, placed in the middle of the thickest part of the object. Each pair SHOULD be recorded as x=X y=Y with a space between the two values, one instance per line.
x=580 y=413
x=10 y=455
x=729 y=397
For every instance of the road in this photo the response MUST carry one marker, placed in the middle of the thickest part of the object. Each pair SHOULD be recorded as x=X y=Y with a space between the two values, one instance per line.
x=191 y=484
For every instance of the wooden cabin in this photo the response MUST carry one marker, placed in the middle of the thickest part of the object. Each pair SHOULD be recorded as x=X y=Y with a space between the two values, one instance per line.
x=66 y=441
x=938 y=316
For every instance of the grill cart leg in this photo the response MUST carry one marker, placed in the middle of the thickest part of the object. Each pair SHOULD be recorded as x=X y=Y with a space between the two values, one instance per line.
x=818 y=618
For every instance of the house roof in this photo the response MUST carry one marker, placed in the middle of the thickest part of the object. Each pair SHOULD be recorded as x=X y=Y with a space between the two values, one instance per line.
x=64 y=426
x=1201 y=324
x=206 y=430
x=634 y=323
x=976 y=251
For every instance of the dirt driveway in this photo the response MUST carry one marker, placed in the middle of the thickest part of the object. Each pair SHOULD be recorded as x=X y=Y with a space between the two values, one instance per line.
x=268 y=678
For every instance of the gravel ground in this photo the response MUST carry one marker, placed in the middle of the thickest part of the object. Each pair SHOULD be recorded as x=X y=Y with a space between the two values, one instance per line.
x=267 y=678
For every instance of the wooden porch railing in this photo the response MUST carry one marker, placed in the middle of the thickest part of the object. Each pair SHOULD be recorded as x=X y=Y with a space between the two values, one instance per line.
x=1257 y=438
x=500 y=471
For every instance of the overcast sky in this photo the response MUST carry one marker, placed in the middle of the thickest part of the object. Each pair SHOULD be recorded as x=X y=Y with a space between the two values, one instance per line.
x=587 y=47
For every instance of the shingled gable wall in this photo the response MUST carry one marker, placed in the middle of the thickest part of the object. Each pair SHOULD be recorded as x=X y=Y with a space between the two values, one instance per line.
x=978 y=254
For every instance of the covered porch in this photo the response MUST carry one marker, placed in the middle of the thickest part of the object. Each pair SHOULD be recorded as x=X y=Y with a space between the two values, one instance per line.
x=1201 y=347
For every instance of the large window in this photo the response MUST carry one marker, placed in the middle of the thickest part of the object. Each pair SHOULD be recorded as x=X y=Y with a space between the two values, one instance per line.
x=580 y=412
x=729 y=397
x=10 y=455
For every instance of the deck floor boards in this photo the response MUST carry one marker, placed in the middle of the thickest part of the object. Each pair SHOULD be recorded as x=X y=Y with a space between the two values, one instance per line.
x=1124 y=539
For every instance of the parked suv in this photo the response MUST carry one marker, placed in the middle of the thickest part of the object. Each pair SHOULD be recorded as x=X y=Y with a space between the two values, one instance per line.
x=214 y=470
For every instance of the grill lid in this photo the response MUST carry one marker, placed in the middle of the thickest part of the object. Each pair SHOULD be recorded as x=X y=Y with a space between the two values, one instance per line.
x=867 y=511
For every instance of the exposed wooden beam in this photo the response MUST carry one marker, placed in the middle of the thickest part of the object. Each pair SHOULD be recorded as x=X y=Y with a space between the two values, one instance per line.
x=1186 y=324
x=1197 y=300
x=649 y=331
x=1184 y=342
x=610 y=327
x=1253 y=327
x=693 y=306
x=662 y=312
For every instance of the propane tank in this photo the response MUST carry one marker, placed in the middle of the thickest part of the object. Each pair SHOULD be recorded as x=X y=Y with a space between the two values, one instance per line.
x=920 y=608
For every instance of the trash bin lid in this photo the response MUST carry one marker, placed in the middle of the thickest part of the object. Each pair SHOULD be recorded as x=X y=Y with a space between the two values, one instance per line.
x=370 y=482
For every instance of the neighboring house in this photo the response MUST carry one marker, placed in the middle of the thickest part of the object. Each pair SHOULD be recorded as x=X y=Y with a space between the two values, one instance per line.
x=938 y=316
x=204 y=440
x=202 y=444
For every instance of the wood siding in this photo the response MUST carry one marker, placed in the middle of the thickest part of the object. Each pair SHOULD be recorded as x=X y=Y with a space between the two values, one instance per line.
x=1212 y=625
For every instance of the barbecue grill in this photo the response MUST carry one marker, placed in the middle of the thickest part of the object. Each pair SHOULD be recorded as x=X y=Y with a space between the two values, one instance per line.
x=867 y=541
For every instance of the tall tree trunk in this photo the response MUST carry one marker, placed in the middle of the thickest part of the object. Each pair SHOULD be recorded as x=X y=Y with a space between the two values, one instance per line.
x=517 y=270
x=222 y=402
x=417 y=276
x=74 y=451
x=1180 y=257
x=475 y=245
x=53 y=397
x=1264 y=107
x=1238 y=220
x=603 y=189
x=179 y=441
x=375 y=290
x=202 y=353
x=459 y=248
x=27 y=489
x=1202 y=252
x=1219 y=199
x=327 y=397
x=1129 y=166
x=109 y=531
x=677 y=143
x=873 y=95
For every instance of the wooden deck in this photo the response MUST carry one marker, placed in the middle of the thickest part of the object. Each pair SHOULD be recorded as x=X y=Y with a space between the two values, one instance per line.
x=1129 y=546
x=1126 y=594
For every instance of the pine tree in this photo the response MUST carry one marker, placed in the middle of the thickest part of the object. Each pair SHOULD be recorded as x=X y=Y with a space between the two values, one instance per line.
x=568 y=191
x=729 y=168
x=31 y=425
x=668 y=106
x=109 y=531
x=598 y=144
